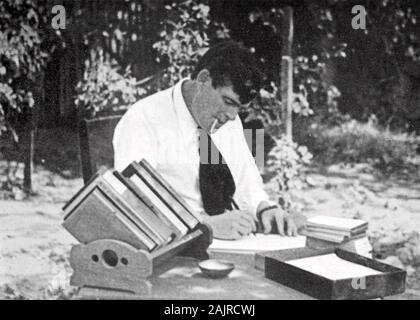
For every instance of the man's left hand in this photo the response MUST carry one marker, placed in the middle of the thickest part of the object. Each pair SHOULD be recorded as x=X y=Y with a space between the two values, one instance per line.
x=284 y=222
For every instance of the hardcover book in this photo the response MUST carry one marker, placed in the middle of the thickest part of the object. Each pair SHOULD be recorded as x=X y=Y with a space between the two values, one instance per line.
x=167 y=186
x=141 y=176
x=155 y=205
x=94 y=215
x=143 y=216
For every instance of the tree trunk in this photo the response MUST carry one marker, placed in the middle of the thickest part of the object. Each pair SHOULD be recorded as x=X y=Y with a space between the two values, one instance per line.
x=29 y=139
x=286 y=86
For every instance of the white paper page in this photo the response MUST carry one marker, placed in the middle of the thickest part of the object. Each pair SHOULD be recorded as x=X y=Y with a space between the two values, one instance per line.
x=333 y=267
x=259 y=242
x=335 y=222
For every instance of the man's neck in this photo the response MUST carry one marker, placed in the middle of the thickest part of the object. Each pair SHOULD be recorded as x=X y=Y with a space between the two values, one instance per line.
x=189 y=90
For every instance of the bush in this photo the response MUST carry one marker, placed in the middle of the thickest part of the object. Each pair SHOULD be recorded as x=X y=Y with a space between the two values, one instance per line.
x=185 y=37
x=104 y=90
x=356 y=142
x=287 y=161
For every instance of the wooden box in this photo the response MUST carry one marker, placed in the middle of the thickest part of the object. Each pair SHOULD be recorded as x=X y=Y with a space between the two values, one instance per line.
x=277 y=267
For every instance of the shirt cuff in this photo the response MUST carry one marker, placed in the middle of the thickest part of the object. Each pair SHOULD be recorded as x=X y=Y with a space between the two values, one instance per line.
x=253 y=205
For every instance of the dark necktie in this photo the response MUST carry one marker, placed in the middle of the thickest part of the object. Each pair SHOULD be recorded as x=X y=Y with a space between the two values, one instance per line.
x=216 y=182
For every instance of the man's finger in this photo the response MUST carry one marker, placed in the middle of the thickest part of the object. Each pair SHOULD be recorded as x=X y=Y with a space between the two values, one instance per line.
x=242 y=230
x=246 y=225
x=266 y=221
x=246 y=219
x=280 y=223
x=288 y=226
x=236 y=235
x=291 y=227
x=294 y=228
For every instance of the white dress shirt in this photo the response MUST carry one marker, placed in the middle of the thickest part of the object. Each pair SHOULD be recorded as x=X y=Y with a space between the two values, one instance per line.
x=161 y=130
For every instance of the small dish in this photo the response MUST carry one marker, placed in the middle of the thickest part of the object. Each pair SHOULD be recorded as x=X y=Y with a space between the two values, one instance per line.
x=216 y=268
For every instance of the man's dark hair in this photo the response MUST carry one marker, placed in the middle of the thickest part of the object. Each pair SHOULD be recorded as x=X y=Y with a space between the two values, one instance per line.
x=231 y=63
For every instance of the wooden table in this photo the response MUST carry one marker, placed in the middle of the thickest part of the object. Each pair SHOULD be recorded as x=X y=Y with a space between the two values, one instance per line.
x=182 y=279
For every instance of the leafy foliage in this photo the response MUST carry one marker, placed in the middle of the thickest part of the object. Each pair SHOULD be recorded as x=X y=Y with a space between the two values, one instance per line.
x=185 y=36
x=399 y=23
x=104 y=89
x=287 y=161
x=268 y=108
x=312 y=92
x=21 y=58
x=356 y=142
x=380 y=72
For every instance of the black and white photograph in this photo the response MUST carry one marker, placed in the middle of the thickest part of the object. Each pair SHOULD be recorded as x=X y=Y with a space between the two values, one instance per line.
x=232 y=151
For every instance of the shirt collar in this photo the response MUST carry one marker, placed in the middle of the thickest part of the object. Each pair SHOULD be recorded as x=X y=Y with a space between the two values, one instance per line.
x=186 y=121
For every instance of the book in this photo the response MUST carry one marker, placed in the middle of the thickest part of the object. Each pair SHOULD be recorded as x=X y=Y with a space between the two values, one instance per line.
x=331 y=237
x=128 y=211
x=156 y=204
x=155 y=174
x=143 y=216
x=140 y=189
x=343 y=224
x=82 y=193
x=134 y=169
x=150 y=177
x=113 y=195
x=335 y=232
x=97 y=217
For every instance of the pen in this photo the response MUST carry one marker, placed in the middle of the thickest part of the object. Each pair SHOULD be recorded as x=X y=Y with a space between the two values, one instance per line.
x=235 y=205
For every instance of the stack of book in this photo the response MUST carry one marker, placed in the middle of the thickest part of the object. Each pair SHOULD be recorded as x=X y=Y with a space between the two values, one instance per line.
x=336 y=230
x=136 y=206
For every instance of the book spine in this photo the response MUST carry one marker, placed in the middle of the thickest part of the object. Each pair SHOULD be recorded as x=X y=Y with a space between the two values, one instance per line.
x=171 y=190
x=326 y=237
x=146 y=241
x=120 y=203
x=333 y=227
x=152 y=207
x=142 y=209
x=328 y=231
x=167 y=197
x=155 y=201
x=97 y=217
x=82 y=191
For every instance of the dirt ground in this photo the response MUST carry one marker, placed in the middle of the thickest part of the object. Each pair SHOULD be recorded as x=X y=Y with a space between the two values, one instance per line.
x=34 y=248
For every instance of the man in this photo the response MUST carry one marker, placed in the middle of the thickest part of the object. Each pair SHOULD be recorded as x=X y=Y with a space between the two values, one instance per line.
x=164 y=128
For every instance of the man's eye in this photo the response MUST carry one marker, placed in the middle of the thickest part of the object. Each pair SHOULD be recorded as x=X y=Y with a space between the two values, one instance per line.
x=230 y=103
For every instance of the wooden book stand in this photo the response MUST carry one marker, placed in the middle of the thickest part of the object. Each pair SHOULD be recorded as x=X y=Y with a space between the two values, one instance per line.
x=115 y=265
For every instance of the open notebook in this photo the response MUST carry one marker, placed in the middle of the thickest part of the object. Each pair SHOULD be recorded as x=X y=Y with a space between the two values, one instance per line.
x=258 y=243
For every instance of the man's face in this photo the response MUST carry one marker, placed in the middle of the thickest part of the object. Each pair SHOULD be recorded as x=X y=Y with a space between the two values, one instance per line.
x=219 y=104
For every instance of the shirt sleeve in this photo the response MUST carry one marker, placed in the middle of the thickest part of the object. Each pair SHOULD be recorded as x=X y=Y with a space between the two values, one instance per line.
x=249 y=185
x=133 y=140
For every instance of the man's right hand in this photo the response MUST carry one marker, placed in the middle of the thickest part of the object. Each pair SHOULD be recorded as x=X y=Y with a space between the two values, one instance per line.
x=231 y=225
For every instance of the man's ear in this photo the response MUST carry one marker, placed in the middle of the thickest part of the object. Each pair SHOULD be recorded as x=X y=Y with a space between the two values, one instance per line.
x=204 y=77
